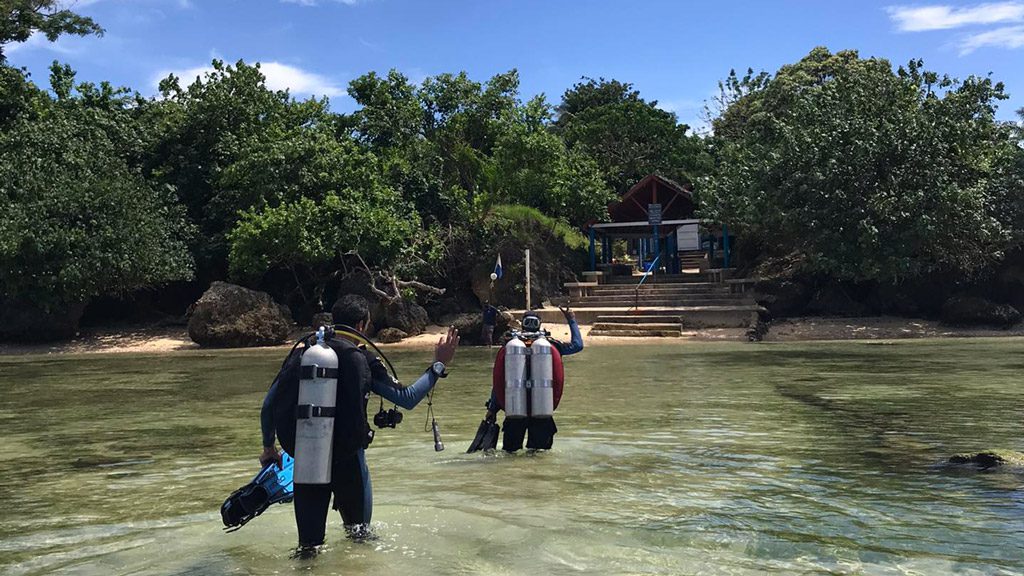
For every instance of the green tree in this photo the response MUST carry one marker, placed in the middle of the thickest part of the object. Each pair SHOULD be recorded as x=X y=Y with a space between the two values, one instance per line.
x=865 y=172
x=312 y=200
x=204 y=129
x=19 y=19
x=76 y=220
x=627 y=136
x=534 y=168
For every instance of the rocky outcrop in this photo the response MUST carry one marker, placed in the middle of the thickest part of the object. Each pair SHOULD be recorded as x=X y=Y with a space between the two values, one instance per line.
x=989 y=459
x=409 y=317
x=835 y=300
x=25 y=322
x=231 y=316
x=783 y=298
x=974 y=311
x=470 y=325
x=321 y=319
x=391 y=335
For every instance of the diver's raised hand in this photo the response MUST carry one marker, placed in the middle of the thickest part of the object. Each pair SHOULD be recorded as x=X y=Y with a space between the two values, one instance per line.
x=567 y=312
x=446 y=345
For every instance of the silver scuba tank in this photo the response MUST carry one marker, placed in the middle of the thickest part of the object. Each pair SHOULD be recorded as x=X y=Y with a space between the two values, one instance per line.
x=542 y=392
x=516 y=354
x=314 y=424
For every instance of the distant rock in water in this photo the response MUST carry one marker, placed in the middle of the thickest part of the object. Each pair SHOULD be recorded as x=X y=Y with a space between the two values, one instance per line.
x=391 y=335
x=989 y=459
x=974 y=311
x=231 y=316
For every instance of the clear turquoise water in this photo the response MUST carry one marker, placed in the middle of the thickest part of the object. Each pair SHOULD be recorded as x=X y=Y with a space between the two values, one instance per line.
x=671 y=459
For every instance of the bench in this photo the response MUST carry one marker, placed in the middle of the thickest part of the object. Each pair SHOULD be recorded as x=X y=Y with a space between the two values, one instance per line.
x=718 y=274
x=593 y=276
x=740 y=285
x=579 y=289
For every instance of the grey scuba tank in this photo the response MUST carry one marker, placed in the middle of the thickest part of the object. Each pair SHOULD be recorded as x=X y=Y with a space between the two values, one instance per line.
x=314 y=423
x=516 y=357
x=542 y=392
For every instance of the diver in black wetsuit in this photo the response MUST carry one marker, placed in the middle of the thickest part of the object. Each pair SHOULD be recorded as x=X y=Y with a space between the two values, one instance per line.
x=358 y=375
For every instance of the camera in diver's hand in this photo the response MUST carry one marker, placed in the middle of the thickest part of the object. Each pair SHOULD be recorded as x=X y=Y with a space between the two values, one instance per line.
x=387 y=418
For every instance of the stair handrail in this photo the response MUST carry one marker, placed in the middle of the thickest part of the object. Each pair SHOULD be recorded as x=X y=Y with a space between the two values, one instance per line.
x=636 y=291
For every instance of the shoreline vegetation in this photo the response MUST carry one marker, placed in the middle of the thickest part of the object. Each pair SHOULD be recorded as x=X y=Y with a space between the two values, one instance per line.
x=174 y=339
x=845 y=185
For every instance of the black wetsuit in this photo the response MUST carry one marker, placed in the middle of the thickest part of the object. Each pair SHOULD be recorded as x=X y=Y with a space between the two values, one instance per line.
x=350 y=476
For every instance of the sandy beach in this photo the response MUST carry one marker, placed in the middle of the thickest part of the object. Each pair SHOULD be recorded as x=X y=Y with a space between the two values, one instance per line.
x=166 y=340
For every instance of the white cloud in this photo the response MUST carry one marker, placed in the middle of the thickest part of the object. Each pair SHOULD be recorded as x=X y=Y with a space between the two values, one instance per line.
x=942 y=17
x=1007 y=37
x=279 y=77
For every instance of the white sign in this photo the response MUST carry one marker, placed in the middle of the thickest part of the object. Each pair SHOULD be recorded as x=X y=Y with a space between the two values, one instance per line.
x=688 y=237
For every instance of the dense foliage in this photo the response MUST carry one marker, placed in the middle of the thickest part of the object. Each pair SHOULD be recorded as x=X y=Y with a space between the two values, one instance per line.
x=859 y=170
x=865 y=172
x=76 y=219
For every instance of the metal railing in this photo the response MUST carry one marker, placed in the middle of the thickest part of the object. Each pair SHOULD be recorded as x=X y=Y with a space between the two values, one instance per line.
x=636 y=291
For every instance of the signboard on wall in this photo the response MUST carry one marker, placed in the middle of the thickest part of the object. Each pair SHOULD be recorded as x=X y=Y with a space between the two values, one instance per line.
x=654 y=214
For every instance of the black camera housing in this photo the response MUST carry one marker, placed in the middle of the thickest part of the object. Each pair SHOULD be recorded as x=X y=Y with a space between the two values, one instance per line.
x=387 y=418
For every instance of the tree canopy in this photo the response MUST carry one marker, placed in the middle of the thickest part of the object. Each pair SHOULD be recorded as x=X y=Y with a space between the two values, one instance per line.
x=867 y=172
x=20 y=19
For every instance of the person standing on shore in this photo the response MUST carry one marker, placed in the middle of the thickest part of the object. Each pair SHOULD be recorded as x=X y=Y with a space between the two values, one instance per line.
x=490 y=318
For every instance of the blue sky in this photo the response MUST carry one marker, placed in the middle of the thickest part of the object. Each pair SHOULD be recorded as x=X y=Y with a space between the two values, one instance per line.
x=672 y=51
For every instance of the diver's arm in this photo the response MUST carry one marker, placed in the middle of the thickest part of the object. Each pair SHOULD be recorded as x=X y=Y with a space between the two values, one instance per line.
x=409 y=396
x=576 y=343
x=405 y=396
x=267 y=426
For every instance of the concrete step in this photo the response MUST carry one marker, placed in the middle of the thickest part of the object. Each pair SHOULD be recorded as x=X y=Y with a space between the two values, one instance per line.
x=659 y=303
x=681 y=288
x=639 y=333
x=639 y=319
x=692 y=316
x=657 y=293
x=664 y=326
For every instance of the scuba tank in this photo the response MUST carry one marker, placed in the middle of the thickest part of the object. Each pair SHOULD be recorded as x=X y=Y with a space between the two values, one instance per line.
x=542 y=399
x=516 y=354
x=314 y=423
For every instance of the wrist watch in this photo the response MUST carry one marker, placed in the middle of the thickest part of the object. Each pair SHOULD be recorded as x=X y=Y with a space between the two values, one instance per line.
x=438 y=369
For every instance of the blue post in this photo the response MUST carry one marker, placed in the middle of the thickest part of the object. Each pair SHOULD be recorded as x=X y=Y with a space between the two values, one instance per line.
x=593 y=257
x=657 y=243
x=725 y=246
x=673 y=259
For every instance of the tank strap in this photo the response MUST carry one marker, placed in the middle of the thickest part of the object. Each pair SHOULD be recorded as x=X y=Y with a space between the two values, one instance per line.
x=310 y=372
x=303 y=411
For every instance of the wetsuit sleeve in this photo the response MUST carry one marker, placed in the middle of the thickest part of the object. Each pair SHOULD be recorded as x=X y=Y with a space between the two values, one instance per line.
x=267 y=415
x=576 y=344
x=405 y=396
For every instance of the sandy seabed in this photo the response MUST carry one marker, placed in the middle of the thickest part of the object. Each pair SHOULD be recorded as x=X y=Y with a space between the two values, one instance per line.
x=146 y=340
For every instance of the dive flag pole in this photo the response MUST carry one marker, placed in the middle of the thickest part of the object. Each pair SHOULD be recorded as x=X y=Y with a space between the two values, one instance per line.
x=528 y=279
